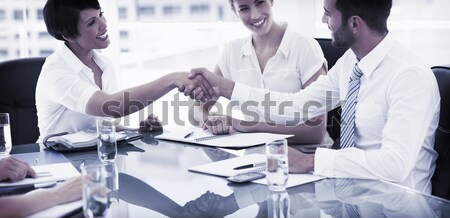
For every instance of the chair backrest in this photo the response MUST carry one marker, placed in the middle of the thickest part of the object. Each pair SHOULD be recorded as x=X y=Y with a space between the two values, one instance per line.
x=332 y=54
x=18 y=80
x=441 y=177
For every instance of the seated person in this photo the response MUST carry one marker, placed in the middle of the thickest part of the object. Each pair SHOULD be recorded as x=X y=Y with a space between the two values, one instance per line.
x=385 y=134
x=273 y=57
x=78 y=83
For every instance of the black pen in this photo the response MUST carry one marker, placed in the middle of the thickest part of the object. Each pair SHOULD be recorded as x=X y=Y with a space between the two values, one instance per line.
x=188 y=135
x=249 y=166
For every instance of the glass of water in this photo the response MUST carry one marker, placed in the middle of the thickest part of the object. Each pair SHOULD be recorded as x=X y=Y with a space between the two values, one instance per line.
x=112 y=183
x=5 y=134
x=95 y=191
x=277 y=164
x=106 y=141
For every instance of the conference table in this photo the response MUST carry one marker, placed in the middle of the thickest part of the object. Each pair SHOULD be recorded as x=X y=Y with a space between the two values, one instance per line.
x=154 y=181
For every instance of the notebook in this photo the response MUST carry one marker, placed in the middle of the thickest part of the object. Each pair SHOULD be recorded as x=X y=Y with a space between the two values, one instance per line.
x=84 y=138
x=196 y=135
x=225 y=168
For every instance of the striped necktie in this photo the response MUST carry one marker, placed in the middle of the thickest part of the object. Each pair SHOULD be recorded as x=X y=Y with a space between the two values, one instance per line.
x=348 y=109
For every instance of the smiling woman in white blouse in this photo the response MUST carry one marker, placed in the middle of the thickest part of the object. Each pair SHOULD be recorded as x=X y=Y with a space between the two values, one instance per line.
x=78 y=83
x=273 y=57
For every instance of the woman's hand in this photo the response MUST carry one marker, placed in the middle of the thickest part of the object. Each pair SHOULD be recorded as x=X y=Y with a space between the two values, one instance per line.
x=219 y=125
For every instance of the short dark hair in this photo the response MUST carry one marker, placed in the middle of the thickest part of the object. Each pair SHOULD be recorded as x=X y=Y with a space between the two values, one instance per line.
x=61 y=16
x=232 y=5
x=374 y=12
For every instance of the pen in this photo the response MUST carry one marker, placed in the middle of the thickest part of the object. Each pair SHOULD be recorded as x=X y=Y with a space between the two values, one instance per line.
x=249 y=166
x=41 y=174
x=188 y=135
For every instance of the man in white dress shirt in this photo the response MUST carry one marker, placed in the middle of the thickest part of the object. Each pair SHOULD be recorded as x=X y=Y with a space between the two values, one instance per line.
x=396 y=113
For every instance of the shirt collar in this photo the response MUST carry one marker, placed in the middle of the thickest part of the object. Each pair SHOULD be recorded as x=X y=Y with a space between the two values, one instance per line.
x=75 y=63
x=286 y=41
x=71 y=59
x=284 y=45
x=371 y=61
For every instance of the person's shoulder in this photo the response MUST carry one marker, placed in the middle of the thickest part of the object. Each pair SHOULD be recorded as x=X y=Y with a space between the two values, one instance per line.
x=407 y=58
x=301 y=44
x=55 y=67
x=298 y=37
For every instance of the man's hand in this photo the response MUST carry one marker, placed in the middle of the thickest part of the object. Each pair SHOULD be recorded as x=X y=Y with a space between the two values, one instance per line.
x=197 y=88
x=151 y=124
x=220 y=86
x=300 y=162
x=219 y=125
x=14 y=170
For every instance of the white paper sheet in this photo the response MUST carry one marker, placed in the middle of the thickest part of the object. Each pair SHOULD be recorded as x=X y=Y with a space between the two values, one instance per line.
x=196 y=135
x=58 y=171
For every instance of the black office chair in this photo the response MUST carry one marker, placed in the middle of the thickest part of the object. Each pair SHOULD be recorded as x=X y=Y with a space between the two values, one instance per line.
x=441 y=177
x=332 y=54
x=18 y=80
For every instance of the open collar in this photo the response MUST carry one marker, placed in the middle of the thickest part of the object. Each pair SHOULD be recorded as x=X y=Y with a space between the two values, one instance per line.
x=285 y=45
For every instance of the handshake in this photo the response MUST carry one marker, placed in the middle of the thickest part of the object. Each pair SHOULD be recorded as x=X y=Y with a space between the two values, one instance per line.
x=203 y=85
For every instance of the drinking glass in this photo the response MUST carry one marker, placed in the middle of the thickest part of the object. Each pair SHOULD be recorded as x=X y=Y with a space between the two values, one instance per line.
x=5 y=134
x=277 y=164
x=95 y=191
x=106 y=141
x=112 y=183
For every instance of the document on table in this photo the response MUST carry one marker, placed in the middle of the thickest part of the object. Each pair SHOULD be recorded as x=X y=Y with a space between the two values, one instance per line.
x=227 y=168
x=49 y=173
x=199 y=136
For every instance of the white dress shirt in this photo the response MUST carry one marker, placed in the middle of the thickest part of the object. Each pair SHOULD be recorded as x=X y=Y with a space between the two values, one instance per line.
x=396 y=115
x=297 y=59
x=64 y=88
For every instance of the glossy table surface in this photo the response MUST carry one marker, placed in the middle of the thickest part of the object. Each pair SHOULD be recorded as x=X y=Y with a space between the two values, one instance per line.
x=154 y=181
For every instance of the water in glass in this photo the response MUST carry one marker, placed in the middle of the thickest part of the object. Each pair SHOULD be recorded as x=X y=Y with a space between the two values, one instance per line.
x=5 y=134
x=277 y=164
x=106 y=141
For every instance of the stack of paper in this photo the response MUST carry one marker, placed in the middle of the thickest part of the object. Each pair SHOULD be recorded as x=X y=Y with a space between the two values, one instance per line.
x=225 y=168
x=199 y=136
x=47 y=173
